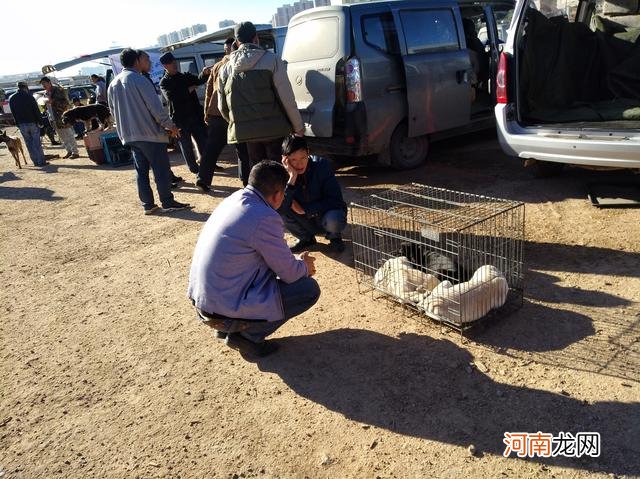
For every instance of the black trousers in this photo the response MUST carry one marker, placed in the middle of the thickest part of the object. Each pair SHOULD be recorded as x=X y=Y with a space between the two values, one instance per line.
x=216 y=141
x=261 y=150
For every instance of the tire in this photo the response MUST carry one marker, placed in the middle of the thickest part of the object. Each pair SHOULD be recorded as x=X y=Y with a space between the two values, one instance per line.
x=407 y=153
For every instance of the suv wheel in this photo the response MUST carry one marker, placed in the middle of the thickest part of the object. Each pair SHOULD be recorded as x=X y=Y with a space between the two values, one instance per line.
x=406 y=152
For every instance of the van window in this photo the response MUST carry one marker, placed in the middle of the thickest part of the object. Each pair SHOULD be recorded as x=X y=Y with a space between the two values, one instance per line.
x=211 y=59
x=312 y=40
x=187 y=65
x=379 y=31
x=429 y=31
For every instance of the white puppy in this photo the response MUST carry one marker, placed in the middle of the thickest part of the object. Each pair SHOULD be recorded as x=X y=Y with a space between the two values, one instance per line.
x=400 y=279
x=465 y=302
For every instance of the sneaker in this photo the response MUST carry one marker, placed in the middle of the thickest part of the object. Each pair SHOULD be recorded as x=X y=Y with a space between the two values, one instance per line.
x=202 y=186
x=68 y=155
x=220 y=334
x=302 y=244
x=336 y=245
x=240 y=343
x=151 y=210
x=175 y=206
x=74 y=156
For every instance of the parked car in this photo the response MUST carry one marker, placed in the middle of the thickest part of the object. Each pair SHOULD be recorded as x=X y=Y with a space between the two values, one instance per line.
x=85 y=93
x=387 y=78
x=6 y=117
x=569 y=85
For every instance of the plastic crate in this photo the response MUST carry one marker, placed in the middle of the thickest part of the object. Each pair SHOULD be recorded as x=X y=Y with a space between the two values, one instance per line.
x=115 y=153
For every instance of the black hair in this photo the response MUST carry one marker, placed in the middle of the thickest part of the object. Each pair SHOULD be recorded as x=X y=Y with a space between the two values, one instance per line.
x=293 y=143
x=97 y=77
x=45 y=79
x=128 y=57
x=142 y=53
x=229 y=41
x=245 y=32
x=268 y=177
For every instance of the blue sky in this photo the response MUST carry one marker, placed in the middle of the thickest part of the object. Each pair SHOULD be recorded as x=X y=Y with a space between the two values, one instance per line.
x=38 y=33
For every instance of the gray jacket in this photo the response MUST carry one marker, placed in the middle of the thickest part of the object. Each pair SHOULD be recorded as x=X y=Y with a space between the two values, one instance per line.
x=137 y=110
x=240 y=252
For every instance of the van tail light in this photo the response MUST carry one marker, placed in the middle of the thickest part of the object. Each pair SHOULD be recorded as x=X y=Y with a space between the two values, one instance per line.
x=353 y=80
x=501 y=80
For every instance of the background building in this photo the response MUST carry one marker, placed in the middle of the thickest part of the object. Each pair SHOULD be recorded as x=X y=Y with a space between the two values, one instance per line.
x=179 y=35
x=285 y=12
x=226 y=23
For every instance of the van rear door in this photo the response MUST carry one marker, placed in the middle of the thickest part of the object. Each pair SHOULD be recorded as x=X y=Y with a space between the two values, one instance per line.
x=314 y=45
x=436 y=65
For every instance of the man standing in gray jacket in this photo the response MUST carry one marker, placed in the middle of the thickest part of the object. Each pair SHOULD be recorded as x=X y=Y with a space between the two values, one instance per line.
x=143 y=124
x=256 y=98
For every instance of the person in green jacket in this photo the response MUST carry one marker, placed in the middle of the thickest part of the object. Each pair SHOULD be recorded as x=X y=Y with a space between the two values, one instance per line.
x=256 y=98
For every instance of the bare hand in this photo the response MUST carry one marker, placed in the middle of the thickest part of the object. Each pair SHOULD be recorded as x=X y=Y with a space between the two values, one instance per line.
x=174 y=132
x=293 y=175
x=300 y=132
x=206 y=71
x=309 y=261
x=297 y=208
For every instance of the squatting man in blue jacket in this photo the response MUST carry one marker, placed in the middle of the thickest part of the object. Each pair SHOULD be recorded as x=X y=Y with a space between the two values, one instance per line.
x=313 y=201
x=244 y=280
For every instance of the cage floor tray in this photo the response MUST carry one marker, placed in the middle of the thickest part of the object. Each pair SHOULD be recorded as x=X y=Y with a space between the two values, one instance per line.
x=615 y=195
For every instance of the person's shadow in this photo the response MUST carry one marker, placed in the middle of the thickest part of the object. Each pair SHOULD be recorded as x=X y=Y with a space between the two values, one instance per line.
x=423 y=387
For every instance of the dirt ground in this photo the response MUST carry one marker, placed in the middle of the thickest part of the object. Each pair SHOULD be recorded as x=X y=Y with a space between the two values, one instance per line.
x=106 y=373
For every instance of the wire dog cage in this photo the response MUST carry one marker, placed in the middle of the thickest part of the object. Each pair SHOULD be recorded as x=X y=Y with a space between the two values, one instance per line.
x=453 y=256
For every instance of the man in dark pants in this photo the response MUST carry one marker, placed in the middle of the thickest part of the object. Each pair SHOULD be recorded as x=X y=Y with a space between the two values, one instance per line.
x=179 y=90
x=244 y=281
x=313 y=201
x=217 y=130
x=256 y=98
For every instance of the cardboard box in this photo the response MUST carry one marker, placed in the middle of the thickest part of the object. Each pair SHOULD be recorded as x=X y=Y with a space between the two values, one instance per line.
x=96 y=155
x=92 y=138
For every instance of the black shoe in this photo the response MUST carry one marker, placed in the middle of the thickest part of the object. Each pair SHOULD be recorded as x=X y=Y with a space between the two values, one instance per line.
x=68 y=155
x=175 y=206
x=220 y=334
x=174 y=185
x=177 y=179
x=151 y=210
x=202 y=186
x=74 y=156
x=55 y=143
x=336 y=245
x=240 y=343
x=302 y=244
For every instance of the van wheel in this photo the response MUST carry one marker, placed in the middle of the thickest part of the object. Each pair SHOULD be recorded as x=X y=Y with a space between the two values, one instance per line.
x=406 y=153
x=546 y=169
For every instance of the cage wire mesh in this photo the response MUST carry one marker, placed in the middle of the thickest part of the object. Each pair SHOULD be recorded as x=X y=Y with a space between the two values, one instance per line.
x=456 y=257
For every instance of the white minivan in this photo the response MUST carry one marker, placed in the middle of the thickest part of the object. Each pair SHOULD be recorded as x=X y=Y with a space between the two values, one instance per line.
x=568 y=84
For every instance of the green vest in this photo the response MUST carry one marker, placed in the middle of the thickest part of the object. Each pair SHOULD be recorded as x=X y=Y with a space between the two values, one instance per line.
x=255 y=112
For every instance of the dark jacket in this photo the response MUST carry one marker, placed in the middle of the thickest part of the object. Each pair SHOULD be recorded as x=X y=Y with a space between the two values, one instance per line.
x=184 y=105
x=25 y=108
x=255 y=96
x=317 y=191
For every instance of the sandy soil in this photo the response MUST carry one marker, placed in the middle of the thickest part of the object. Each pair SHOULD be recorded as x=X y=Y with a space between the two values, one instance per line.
x=106 y=373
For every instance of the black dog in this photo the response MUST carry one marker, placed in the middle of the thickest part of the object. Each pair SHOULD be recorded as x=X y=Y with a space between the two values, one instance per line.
x=88 y=113
x=428 y=259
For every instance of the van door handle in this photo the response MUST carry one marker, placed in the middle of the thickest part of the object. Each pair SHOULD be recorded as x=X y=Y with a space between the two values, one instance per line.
x=461 y=76
x=392 y=88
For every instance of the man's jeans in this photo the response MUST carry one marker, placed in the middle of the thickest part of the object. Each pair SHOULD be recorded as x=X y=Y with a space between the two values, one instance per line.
x=31 y=134
x=331 y=224
x=196 y=129
x=297 y=297
x=68 y=138
x=151 y=155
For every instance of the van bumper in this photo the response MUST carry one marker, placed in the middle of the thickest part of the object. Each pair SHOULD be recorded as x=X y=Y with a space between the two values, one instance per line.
x=615 y=148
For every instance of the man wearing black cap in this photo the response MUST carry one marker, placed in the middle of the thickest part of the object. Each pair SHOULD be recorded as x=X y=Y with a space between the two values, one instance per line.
x=179 y=90
x=256 y=98
x=28 y=119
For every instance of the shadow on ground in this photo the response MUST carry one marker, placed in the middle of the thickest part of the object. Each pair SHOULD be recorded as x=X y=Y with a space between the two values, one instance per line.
x=418 y=386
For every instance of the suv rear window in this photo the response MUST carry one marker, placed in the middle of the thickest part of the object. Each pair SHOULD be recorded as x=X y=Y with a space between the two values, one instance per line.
x=428 y=31
x=187 y=65
x=379 y=31
x=311 y=40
